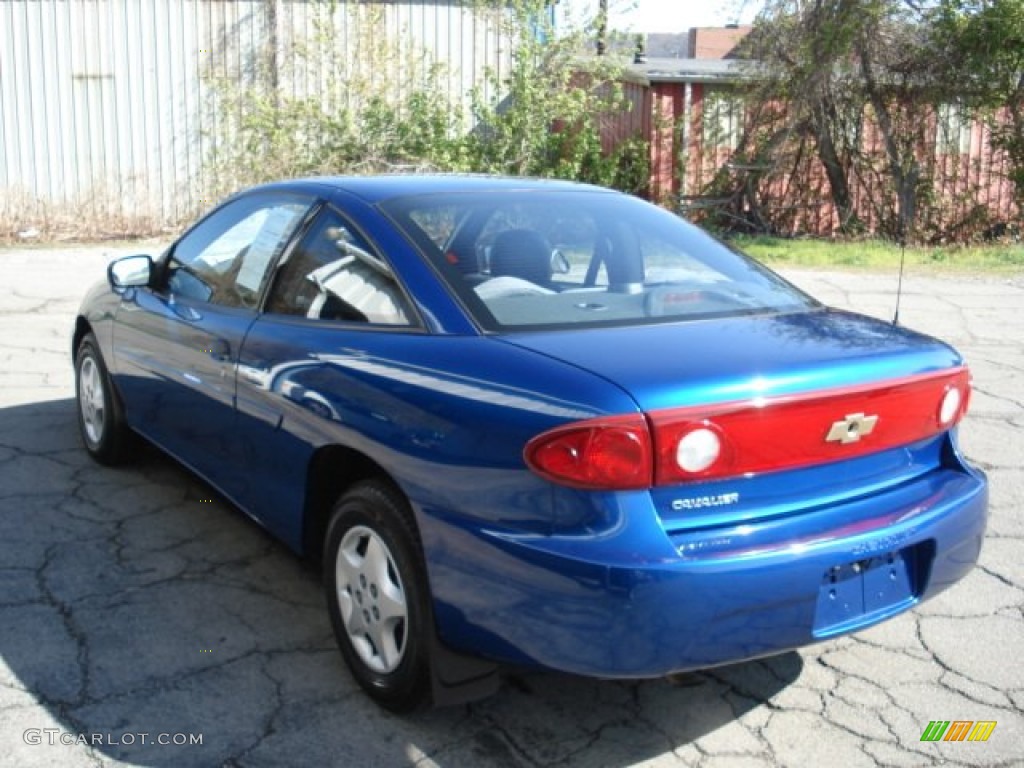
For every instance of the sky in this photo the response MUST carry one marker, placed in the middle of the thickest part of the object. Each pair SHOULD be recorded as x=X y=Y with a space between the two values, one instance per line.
x=670 y=15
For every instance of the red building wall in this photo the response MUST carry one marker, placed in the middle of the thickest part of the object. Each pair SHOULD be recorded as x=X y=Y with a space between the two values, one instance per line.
x=968 y=186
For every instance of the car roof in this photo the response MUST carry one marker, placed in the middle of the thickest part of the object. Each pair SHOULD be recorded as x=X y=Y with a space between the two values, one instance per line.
x=374 y=189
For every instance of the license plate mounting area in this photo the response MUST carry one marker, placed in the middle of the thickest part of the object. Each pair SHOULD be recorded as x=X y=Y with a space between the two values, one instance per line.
x=863 y=591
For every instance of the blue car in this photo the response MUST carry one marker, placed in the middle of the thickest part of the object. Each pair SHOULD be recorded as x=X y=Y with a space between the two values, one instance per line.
x=523 y=422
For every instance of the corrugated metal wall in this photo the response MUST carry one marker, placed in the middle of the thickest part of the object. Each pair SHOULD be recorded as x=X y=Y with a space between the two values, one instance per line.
x=106 y=109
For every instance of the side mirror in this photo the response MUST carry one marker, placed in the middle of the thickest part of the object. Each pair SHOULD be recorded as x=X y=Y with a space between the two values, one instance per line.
x=129 y=272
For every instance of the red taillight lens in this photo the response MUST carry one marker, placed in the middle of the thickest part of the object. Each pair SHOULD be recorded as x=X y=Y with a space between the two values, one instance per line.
x=751 y=436
x=814 y=428
x=602 y=454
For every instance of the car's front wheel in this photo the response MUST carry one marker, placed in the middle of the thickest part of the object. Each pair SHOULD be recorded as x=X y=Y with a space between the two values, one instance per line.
x=377 y=595
x=101 y=422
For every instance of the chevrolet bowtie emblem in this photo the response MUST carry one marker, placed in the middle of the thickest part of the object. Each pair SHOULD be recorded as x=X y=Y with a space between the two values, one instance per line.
x=851 y=428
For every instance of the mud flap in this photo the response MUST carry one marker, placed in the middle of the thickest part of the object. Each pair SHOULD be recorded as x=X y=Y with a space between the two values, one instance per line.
x=458 y=678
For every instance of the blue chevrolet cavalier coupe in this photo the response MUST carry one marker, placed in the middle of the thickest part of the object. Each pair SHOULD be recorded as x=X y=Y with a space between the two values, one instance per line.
x=536 y=423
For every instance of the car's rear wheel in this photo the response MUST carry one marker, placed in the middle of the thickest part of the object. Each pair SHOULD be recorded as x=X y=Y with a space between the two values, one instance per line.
x=377 y=595
x=101 y=422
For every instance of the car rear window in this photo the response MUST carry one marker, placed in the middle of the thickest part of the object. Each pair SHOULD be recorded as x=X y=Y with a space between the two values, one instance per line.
x=536 y=259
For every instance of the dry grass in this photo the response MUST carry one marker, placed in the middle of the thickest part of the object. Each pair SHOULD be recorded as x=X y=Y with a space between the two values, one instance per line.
x=102 y=214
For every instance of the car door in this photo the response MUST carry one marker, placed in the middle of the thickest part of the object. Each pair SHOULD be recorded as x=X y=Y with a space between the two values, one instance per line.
x=177 y=344
x=334 y=304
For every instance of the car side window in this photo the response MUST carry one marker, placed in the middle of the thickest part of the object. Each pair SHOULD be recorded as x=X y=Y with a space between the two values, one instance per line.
x=333 y=273
x=227 y=258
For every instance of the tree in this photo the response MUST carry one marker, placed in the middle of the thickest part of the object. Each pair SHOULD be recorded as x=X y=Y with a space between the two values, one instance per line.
x=896 y=75
x=548 y=119
x=982 y=48
x=806 y=49
x=839 y=65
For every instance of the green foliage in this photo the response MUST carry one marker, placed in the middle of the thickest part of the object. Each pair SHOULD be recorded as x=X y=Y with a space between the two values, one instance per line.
x=983 y=48
x=547 y=122
x=889 y=67
x=318 y=106
x=378 y=106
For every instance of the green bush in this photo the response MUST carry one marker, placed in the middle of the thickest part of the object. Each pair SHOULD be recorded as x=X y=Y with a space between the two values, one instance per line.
x=386 y=109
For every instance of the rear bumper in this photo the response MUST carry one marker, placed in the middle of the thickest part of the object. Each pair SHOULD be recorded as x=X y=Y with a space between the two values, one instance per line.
x=632 y=601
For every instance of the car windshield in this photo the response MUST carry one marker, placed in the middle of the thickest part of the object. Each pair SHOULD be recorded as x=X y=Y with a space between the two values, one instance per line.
x=543 y=259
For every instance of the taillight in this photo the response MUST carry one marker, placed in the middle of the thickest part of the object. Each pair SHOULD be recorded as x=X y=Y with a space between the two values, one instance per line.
x=769 y=434
x=751 y=436
x=601 y=454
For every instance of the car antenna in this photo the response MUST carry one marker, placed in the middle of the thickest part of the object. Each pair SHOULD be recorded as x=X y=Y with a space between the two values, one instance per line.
x=899 y=283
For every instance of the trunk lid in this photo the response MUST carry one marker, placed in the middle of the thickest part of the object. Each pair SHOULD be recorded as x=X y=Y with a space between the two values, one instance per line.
x=721 y=360
x=780 y=358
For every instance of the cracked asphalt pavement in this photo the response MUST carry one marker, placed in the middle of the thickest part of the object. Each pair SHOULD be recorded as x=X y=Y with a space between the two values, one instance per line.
x=137 y=607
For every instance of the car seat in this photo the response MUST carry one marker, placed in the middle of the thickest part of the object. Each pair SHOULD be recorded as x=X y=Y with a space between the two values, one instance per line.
x=522 y=253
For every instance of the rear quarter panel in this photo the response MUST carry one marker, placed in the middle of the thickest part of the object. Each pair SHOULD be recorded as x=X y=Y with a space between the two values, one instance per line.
x=446 y=416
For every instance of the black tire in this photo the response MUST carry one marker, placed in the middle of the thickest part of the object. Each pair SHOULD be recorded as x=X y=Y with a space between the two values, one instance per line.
x=377 y=595
x=101 y=421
